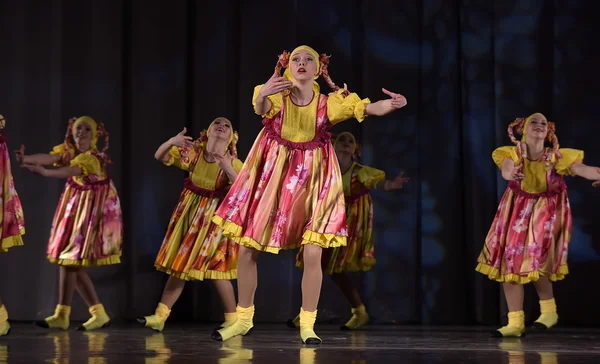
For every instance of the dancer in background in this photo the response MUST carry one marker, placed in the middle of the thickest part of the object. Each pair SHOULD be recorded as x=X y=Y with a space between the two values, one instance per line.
x=531 y=232
x=194 y=248
x=359 y=254
x=289 y=193
x=12 y=224
x=87 y=230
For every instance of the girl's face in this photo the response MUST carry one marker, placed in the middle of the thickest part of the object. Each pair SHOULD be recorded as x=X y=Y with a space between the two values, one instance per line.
x=221 y=129
x=303 y=65
x=537 y=128
x=345 y=144
x=83 y=135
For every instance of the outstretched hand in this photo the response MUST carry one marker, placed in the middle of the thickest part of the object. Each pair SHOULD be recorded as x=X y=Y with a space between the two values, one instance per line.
x=397 y=101
x=397 y=183
x=20 y=155
x=274 y=85
x=181 y=140
x=597 y=183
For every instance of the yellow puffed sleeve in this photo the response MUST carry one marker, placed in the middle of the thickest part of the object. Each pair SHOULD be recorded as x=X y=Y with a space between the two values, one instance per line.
x=276 y=101
x=237 y=165
x=369 y=177
x=88 y=163
x=569 y=156
x=341 y=108
x=500 y=154
x=60 y=151
x=181 y=158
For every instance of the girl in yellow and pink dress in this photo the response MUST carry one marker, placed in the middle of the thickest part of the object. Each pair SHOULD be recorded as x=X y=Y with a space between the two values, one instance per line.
x=531 y=232
x=359 y=254
x=12 y=224
x=87 y=230
x=194 y=248
x=289 y=192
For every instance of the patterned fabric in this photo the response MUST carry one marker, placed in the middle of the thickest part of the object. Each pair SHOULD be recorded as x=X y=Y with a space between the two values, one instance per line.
x=12 y=223
x=531 y=232
x=87 y=229
x=289 y=193
x=194 y=247
x=359 y=253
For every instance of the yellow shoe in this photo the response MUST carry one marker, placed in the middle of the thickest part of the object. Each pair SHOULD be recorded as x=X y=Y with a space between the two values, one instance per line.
x=294 y=324
x=157 y=321
x=98 y=320
x=307 y=324
x=548 y=317
x=515 y=327
x=359 y=318
x=4 y=325
x=60 y=319
x=242 y=326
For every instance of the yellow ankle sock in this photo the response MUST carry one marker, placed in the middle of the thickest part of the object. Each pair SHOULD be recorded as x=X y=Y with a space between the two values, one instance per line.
x=515 y=327
x=4 y=325
x=98 y=320
x=359 y=318
x=548 y=317
x=230 y=318
x=241 y=326
x=157 y=321
x=60 y=319
x=307 y=326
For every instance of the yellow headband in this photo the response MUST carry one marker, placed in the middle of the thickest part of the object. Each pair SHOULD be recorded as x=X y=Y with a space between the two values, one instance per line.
x=527 y=122
x=232 y=132
x=92 y=123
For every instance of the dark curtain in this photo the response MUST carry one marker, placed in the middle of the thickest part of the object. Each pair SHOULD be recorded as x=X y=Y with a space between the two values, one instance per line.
x=149 y=68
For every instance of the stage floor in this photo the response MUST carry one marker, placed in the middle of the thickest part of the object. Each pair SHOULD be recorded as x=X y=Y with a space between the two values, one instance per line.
x=271 y=343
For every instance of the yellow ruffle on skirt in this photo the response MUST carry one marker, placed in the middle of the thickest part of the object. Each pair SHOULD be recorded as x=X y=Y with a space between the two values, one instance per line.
x=194 y=248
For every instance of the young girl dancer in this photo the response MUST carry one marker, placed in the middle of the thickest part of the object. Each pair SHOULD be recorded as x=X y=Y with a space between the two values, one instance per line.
x=530 y=235
x=359 y=254
x=289 y=193
x=87 y=230
x=194 y=248
x=12 y=224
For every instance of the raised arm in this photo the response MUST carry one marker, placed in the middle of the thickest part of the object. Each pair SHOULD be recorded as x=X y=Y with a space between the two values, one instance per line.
x=180 y=140
x=384 y=107
x=587 y=172
x=262 y=104
x=395 y=184
x=63 y=172
x=41 y=159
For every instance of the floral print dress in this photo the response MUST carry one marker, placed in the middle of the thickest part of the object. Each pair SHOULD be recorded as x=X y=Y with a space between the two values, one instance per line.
x=289 y=192
x=531 y=232
x=87 y=229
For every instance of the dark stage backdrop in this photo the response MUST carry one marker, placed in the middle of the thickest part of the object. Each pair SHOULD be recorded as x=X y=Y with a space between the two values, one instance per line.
x=148 y=68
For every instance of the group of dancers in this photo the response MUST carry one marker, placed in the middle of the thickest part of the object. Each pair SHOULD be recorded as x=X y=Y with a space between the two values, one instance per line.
x=300 y=187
